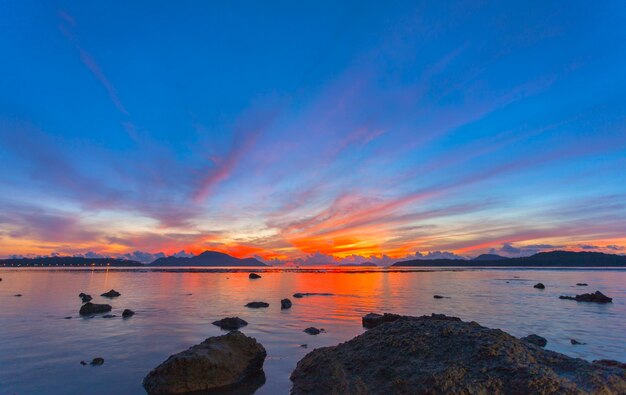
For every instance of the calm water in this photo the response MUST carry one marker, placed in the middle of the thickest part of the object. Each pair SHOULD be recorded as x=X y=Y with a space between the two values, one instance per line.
x=40 y=351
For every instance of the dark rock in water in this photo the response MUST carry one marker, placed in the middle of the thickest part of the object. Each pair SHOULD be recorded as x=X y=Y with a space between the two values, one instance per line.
x=596 y=297
x=67 y=318
x=429 y=355
x=83 y=363
x=109 y=316
x=17 y=295
x=80 y=295
x=304 y=345
x=218 y=363
x=576 y=342
x=111 y=294
x=97 y=361
x=539 y=286
x=92 y=308
x=440 y=297
x=610 y=362
x=253 y=276
x=536 y=340
x=127 y=313
x=303 y=294
x=230 y=323
x=372 y=320
x=285 y=304
x=257 y=305
x=312 y=331
x=86 y=298
x=582 y=284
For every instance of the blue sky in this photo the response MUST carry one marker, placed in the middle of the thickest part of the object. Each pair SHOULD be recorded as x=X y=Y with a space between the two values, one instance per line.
x=312 y=132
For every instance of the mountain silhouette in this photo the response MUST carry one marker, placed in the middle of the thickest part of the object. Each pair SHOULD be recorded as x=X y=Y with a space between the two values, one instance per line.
x=207 y=258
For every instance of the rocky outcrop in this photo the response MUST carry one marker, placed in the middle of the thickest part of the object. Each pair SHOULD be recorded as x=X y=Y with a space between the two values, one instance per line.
x=536 y=340
x=217 y=363
x=438 y=355
x=596 y=297
x=372 y=320
x=111 y=294
x=230 y=323
x=253 y=276
x=285 y=304
x=303 y=294
x=127 y=313
x=92 y=308
x=539 y=286
x=85 y=298
x=97 y=361
x=257 y=305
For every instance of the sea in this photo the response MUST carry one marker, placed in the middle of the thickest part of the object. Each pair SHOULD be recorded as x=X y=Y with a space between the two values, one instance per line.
x=41 y=350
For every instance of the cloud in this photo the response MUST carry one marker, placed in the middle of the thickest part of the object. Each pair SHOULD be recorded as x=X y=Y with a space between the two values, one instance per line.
x=438 y=255
x=141 y=256
x=511 y=251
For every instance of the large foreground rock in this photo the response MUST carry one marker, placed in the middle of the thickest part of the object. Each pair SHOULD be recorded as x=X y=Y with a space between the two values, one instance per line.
x=218 y=363
x=431 y=355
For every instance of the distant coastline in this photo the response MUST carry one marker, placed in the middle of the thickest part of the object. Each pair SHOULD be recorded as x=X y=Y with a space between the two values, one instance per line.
x=209 y=259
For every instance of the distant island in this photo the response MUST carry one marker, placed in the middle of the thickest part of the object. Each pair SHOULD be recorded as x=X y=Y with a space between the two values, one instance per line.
x=542 y=259
x=207 y=258
x=71 y=261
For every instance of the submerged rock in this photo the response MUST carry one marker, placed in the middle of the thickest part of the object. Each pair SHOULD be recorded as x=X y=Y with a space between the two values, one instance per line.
x=17 y=295
x=440 y=297
x=313 y=331
x=596 y=297
x=97 y=361
x=431 y=355
x=303 y=294
x=217 y=363
x=535 y=339
x=257 y=305
x=111 y=294
x=109 y=316
x=230 y=323
x=539 y=286
x=92 y=308
x=582 y=284
x=253 y=276
x=67 y=318
x=127 y=313
x=285 y=304
x=83 y=363
x=576 y=342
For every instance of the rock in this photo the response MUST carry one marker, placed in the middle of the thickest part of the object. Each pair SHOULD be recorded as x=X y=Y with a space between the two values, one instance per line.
x=92 y=308
x=313 y=331
x=253 y=276
x=127 y=313
x=86 y=298
x=300 y=294
x=304 y=345
x=109 y=316
x=83 y=363
x=440 y=297
x=372 y=320
x=67 y=318
x=111 y=294
x=609 y=362
x=430 y=355
x=539 y=286
x=97 y=361
x=536 y=340
x=285 y=304
x=230 y=323
x=596 y=297
x=217 y=362
x=582 y=284
x=257 y=305
x=17 y=295
x=80 y=295
x=576 y=342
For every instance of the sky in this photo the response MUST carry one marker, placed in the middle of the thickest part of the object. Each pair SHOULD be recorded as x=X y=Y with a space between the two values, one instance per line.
x=312 y=132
